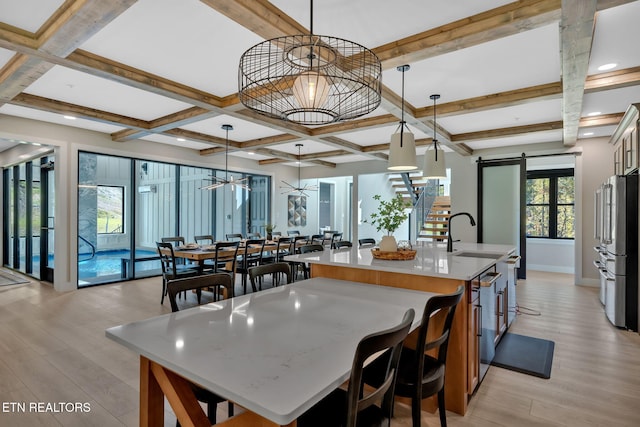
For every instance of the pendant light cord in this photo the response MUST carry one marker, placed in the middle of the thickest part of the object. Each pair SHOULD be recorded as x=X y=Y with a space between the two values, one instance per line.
x=226 y=158
x=435 y=139
x=402 y=122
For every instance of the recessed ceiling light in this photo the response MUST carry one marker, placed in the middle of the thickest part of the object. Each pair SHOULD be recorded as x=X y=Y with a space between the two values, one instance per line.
x=69 y=117
x=587 y=134
x=594 y=113
x=606 y=67
x=180 y=139
x=36 y=144
x=251 y=153
x=297 y=163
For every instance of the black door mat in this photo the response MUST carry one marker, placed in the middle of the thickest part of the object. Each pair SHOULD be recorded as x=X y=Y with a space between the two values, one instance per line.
x=528 y=355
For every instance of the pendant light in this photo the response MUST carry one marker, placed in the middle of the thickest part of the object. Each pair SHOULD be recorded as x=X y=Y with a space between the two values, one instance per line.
x=221 y=182
x=402 y=150
x=434 y=163
x=302 y=190
x=310 y=79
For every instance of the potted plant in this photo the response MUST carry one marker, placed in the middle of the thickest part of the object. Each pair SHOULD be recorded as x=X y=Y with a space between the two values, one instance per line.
x=389 y=216
x=269 y=229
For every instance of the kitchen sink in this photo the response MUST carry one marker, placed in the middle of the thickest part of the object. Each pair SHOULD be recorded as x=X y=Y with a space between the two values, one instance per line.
x=470 y=254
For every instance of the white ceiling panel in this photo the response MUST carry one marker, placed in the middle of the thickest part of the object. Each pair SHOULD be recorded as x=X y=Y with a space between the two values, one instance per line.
x=529 y=138
x=308 y=147
x=522 y=60
x=596 y=131
x=610 y=101
x=45 y=116
x=64 y=84
x=519 y=115
x=28 y=14
x=163 y=139
x=347 y=158
x=373 y=23
x=186 y=41
x=5 y=56
x=248 y=156
x=243 y=130
x=615 y=28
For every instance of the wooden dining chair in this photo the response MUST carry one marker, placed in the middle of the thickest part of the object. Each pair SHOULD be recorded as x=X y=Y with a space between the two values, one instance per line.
x=226 y=258
x=335 y=237
x=170 y=268
x=254 y=236
x=199 y=284
x=277 y=270
x=233 y=237
x=359 y=406
x=314 y=247
x=293 y=233
x=421 y=375
x=342 y=244
x=251 y=256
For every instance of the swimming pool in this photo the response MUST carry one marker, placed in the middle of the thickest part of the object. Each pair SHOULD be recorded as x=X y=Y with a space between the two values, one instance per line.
x=106 y=266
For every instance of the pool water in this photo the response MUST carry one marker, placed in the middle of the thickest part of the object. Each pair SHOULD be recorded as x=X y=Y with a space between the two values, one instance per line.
x=107 y=266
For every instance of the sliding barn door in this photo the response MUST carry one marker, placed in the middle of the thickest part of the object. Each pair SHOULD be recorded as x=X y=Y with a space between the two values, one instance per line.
x=501 y=205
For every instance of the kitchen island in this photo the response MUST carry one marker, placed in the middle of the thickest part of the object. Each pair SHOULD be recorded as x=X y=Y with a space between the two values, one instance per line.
x=432 y=270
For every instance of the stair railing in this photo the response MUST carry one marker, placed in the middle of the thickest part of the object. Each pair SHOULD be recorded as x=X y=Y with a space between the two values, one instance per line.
x=422 y=207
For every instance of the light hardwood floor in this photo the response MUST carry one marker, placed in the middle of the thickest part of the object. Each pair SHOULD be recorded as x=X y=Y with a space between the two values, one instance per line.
x=53 y=349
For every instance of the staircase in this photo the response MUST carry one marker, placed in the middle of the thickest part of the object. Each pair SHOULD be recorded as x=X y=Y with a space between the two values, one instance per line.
x=430 y=212
x=435 y=222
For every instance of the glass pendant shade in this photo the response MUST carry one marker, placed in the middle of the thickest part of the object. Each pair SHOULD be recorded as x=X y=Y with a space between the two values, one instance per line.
x=402 y=157
x=434 y=169
x=311 y=90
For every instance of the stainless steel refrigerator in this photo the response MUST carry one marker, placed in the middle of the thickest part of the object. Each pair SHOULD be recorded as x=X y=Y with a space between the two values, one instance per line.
x=617 y=229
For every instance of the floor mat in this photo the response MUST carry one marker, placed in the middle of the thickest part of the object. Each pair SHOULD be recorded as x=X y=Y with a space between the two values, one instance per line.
x=8 y=279
x=532 y=356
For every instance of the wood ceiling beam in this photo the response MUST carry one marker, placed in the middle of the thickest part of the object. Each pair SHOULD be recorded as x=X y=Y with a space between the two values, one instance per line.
x=65 y=108
x=167 y=122
x=73 y=23
x=269 y=140
x=576 y=37
x=612 y=80
x=602 y=120
x=491 y=25
x=509 y=131
x=354 y=125
x=606 y=4
x=288 y=157
x=202 y=137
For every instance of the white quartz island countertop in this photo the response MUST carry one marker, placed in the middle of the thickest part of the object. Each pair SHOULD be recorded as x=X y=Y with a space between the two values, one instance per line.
x=432 y=259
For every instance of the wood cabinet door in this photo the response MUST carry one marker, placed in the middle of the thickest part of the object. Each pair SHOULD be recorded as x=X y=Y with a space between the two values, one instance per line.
x=630 y=143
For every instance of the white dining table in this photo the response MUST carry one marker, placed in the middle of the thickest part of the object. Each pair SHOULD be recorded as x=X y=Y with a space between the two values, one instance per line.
x=275 y=353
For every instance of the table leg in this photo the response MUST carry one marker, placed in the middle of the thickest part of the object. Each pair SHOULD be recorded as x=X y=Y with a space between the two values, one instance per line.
x=151 y=397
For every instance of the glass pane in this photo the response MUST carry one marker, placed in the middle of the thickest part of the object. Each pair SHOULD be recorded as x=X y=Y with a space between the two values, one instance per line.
x=565 y=189
x=196 y=208
x=36 y=202
x=22 y=217
x=102 y=184
x=155 y=212
x=538 y=221
x=11 y=216
x=538 y=191
x=566 y=221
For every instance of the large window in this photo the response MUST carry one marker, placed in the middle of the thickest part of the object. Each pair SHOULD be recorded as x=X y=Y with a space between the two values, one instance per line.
x=550 y=204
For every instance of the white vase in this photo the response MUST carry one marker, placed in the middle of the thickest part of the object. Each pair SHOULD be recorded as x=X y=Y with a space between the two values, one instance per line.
x=388 y=244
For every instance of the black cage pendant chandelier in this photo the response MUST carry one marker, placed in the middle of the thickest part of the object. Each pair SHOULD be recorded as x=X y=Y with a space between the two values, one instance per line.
x=217 y=182
x=300 y=189
x=310 y=79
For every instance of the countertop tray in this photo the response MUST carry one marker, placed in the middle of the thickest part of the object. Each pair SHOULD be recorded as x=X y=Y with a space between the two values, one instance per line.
x=400 y=255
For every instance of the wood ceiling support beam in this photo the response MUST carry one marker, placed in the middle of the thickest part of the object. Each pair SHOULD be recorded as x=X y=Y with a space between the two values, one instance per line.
x=354 y=125
x=613 y=80
x=576 y=36
x=289 y=157
x=493 y=24
x=167 y=122
x=267 y=141
x=509 y=131
x=602 y=120
x=202 y=137
x=65 y=108
x=606 y=4
x=259 y=16
x=70 y=26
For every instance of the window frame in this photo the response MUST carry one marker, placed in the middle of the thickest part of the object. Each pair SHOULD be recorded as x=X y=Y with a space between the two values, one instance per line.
x=552 y=175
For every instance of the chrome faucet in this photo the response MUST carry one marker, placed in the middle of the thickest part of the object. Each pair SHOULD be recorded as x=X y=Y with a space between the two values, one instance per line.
x=449 y=239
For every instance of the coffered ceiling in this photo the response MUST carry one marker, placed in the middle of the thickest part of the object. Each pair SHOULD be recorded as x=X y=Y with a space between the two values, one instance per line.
x=509 y=73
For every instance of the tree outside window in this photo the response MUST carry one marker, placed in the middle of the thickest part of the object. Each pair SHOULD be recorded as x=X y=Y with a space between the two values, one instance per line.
x=110 y=209
x=550 y=204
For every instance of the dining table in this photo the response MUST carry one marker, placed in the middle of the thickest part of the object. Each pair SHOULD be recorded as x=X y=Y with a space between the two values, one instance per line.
x=274 y=353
